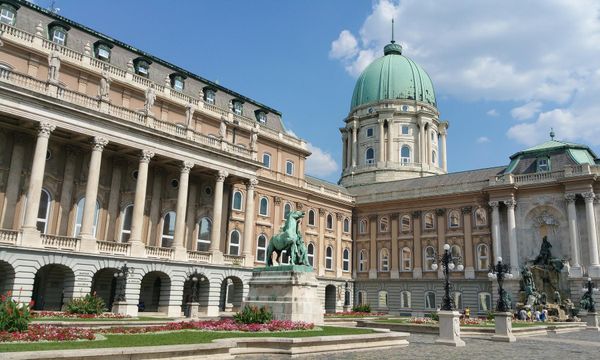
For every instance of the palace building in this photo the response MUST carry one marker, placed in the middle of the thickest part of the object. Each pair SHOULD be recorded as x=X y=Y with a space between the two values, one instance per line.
x=111 y=156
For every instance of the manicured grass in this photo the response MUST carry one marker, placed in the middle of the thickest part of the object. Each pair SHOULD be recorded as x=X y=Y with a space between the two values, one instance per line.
x=141 y=318
x=174 y=338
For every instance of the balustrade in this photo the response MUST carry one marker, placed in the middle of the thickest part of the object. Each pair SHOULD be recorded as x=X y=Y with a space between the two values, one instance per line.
x=159 y=252
x=199 y=256
x=60 y=242
x=114 y=248
x=8 y=236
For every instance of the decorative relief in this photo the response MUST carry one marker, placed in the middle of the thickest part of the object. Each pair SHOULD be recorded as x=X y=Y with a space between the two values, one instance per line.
x=146 y=155
x=588 y=196
x=493 y=204
x=570 y=197
x=221 y=175
x=466 y=209
x=186 y=166
x=299 y=206
x=251 y=184
x=45 y=128
x=277 y=200
x=510 y=203
x=98 y=143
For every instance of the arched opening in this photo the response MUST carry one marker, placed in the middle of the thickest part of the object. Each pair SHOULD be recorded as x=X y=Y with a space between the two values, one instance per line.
x=155 y=290
x=232 y=290
x=7 y=277
x=104 y=284
x=53 y=287
x=330 y=293
x=203 y=286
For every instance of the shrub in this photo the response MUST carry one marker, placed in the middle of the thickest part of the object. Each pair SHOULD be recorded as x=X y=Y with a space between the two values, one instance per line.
x=89 y=304
x=253 y=315
x=364 y=308
x=14 y=316
x=489 y=315
x=434 y=316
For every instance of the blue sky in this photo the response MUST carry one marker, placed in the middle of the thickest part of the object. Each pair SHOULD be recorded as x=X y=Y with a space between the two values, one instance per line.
x=504 y=72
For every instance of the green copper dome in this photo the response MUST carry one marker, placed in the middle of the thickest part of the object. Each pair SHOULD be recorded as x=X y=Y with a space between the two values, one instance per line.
x=393 y=76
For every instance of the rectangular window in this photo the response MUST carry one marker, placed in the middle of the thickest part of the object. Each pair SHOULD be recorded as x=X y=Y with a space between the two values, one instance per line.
x=237 y=107
x=370 y=132
x=543 y=165
x=59 y=36
x=262 y=117
x=404 y=129
x=103 y=53
x=289 y=167
x=209 y=96
x=7 y=16
x=178 y=84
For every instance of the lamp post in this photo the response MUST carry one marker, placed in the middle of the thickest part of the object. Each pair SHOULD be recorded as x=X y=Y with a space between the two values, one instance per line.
x=449 y=324
x=587 y=300
x=501 y=271
x=195 y=279
x=121 y=276
x=448 y=264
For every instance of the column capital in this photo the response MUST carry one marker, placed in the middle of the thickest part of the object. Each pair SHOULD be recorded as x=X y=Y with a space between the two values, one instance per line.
x=277 y=200
x=511 y=203
x=322 y=211
x=416 y=214
x=494 y=204
x=588 y=196
x=381 y=121
x=570 y=197
x=45 y=128
x=339 y=216
x=186 y=166
x=440 y=212
x=146 y=155
x=251 y=184
x=299 y=206
x=98 y=143
x=221 y=175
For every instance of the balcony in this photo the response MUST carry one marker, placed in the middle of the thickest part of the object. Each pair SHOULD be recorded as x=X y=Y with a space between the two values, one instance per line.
x=8 y=236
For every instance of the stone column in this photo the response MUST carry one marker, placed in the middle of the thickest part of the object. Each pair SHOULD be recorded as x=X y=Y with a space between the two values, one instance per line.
x=88 y=237
x=13 y=183
x=249 y=223
x=354 y=143
x=380 y=152
x=443 y=130
x=418 y=249
x=321 y=252
x=338 y=245
x=594 y=269
x=138 y=247
x=441 y=236
x=467 y=228
x=112 y=232
x=190 y=223
x=373 y=247
x=496 y=240
x=421 y=148
x=34 y=192
x=390 y=144
x=394 y=274
x=575 y=270
x=66 y=192
x=345 y=149
x=512 y=237
x=182 y=194
x=215 y=236
x=154 y=218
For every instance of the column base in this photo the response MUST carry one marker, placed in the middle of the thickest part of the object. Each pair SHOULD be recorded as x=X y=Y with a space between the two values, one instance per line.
x=469 y=272
x=217 y=258
x=373 y=274
x=591 y=320
x=180 y=253
x=575 y=272
x=212 y=310
x=125 y=308
x=449 y=329
x=88 y=244
x=594 y=271
x=503 y=331
x=417 y=273
x=138 y=248
x=30 y=237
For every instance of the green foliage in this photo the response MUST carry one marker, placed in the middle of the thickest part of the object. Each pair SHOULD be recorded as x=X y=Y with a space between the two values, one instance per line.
x=489 y=315
x=364 y=308
x=14 y=316
x=253 y=315
x=89 y=304
x=434 y=316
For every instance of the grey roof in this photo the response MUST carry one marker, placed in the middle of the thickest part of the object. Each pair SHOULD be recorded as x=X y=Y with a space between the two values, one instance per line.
x=326 y=184
x=452 y=183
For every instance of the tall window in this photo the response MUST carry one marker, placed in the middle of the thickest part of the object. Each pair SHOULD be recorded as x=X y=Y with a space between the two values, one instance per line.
x=433 y=157
x=329 y=222
x=346 y=260
x=429 y=300
x=209 y=96
x=480 y=217
x=204 y=229
x=79 y=217
x=406 y=259
x=485 y=302
x=429 y=255
x=482 y=257
x=405 y=154
x=329 y=258
x=261 y=248
x=287 y=208
x=234 y=243
x=362 y=226
x=362 y=261
x=405 y=299
x=346 y=225
x=384 y=224
x=58 y=35
x=384 y=260
x=311 y=217
x=8 y=14
x=433 y=137
x=237 y=201
x=289 y=167
x=310 y=250
x=370 y=156
x=382 y=298
x=168 y=229
x=405 y=223
x=127 y=217
x=454 y=219
x=361 y=297
x=428 y=221
x=267 y=160
x=263 y=208
x=43 y=212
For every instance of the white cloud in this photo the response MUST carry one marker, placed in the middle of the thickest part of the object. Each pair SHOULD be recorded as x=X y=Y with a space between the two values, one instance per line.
x=344 y=46
x=320 y=163
x=493 y=112
x=483 y=140
x=526 y=111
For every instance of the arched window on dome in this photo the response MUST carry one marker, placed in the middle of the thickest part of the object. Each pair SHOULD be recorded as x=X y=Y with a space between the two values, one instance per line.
x=405 y=155
x=433 y=157
x=370 y=156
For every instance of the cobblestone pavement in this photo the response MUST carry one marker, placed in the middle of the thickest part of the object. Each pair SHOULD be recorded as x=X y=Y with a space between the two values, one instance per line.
x=577 y=345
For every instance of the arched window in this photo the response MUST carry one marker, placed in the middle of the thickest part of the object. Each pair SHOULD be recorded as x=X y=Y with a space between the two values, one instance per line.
x=346 y=260
x=384 y=224
x=429 y=300
x=362 y=226
x=405 y=223
x=204 y=230
x=362 y=261
x=382 y=298
x=311 y=217
x=126 y=217
x=234 y=243
x=370 y=156
x=429 y=255
x=433 y=157
x=287 y=208
x=433 y=136
x=329 y=222
x=289 y=167
x=384 y=260
x=267 y=160
x=405 y=300
x=456 y=251
x=236 y=204
x=261 y=248
x=263 y=208
x=79 y=217
x=457 y=298
x=329 y=258
x=361 y=297
x=406 y=259
x=43 y=212
x=480 y=217
x=485 y=302
x=483 y=257
x=428 y=221
x=311 y=254
x=346 y=225
x=405 y=154
x=168 y=229
x=454 y=219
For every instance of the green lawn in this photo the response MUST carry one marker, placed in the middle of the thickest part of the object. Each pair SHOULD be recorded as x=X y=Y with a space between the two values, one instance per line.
x=174 y=338
x=141 y=318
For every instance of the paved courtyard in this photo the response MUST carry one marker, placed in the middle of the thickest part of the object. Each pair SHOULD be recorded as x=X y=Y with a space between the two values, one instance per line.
x=569 y=346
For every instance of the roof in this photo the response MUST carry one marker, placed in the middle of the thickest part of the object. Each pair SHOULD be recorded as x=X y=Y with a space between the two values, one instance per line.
x=552 y=146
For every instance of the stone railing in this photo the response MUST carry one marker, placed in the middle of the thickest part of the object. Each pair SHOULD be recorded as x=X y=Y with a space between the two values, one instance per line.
x=233 y=260
x=329 y=192
x=199 y=256
x=114 y=248
x=60 y=242
x=547 y=176
x=8 y=236
x=159 y=252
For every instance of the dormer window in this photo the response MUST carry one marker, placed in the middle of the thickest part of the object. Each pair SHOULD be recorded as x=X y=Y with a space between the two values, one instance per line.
x=209 y=95
x=237 y=107
x=58 y=33
x=261 y=116
x=142 y=67
x=177 y=81
x=543 y=165
x=102 y=51
x=8 y=14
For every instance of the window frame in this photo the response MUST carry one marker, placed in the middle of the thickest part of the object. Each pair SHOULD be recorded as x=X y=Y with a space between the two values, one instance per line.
x=261 y=249
x=481 y=257
x=363 y=261
x=384 y=224
x=546 y=166
x=199 y=240
x=346 y=226
x=210 y=96
x=58 y=29
x=260 y=207
x=126 y=232
x=402 y=223
x=46 y=217
x=405 y=159
x=310 y=254
x=329 y=257
x=141 y=67
x=101 y=45
x=266 y=164
x=169 y=236
x=346 y=260
x=384 y=260
x=363 y=226
x=9 y=8
x=369 y=160
x=241 y=199
x=403 y=304
x=175 y=78
x=403 y=127
x=237 y=107
x=314 y=216
x=426 y=297
x=285 y=206
x=329 y=222
x=369 y=132
x=404 y=259
x=261 y=116
x=230 y=244
x=289 y=167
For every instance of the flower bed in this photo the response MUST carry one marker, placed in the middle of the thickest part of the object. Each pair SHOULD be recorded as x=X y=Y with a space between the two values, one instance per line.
x=61 y=314
x=354 y=314
x=47 y=333
x=213 y=325
x=421 y=320
x=472 y=321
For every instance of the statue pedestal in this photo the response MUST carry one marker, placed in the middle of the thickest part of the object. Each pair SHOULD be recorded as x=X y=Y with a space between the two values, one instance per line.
x=125 y=308
x=503 y=332
x=591 y=319
x=449 y=325
x=193 y=310
x=289 y=291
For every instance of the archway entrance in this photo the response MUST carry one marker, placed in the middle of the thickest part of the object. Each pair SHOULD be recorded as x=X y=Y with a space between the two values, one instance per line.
x=203 y=288
x=232 y=290
x=330 y=294
x=155 y=292
x=7 y=277
x=53 y=287
x=104 y=284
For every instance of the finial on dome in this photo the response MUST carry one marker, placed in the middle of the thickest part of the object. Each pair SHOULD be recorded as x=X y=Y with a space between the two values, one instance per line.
x=393 y=41
x=552 y=134
x=392 y=47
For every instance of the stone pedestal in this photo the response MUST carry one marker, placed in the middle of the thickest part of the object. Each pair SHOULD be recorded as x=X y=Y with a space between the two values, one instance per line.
x=125 y=308
x=193 y=310
x=591 y=319
x=503 y=327
x=449 y=325
x=575 y=272
x=594 y=271
x=289 y=291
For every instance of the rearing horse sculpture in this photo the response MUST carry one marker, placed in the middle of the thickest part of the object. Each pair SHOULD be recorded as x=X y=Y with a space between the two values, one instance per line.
x=289 y=239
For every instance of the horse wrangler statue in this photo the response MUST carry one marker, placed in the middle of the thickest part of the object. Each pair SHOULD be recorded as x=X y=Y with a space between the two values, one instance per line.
x=289 y=239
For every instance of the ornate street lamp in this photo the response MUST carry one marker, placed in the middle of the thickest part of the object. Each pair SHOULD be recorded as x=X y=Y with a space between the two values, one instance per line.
x=501 y=271
x=195 y=278
x=587 y=300
x=121 y=276
x=448 y=264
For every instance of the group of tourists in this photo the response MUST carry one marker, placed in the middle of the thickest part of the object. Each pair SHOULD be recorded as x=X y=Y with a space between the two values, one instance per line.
x=537 y=315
